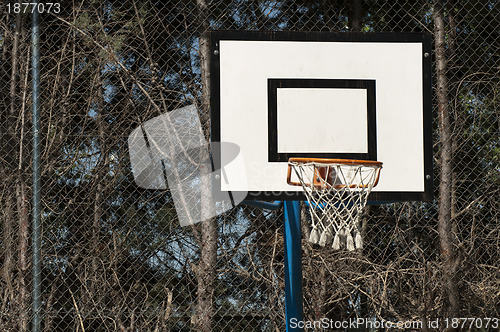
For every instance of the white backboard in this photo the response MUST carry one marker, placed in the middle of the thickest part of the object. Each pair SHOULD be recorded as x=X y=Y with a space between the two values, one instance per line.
x=334 y=95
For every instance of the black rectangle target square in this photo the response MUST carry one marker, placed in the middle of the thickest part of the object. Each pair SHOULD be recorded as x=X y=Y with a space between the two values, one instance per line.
x=314 y=83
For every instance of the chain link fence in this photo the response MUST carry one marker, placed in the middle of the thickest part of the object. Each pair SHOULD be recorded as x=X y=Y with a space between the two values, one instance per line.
x=114 y=257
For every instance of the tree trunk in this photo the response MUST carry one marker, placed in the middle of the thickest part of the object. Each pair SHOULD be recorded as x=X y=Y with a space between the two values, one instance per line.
x=101 y=170
x=7 y=163
x=206 y=270
x=448 y=256
x=355 y=15
x=16 y=186
x=8 y=244
x=23 y=215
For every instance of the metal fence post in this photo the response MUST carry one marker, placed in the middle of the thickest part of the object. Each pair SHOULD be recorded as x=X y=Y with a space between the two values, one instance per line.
x=293 y=266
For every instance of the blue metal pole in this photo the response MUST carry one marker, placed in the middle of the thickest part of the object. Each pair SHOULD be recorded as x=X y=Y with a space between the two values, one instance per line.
x=293 y=266
x=36 y=232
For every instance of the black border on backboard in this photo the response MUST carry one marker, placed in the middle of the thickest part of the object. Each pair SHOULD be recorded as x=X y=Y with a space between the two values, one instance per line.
x=274 y=84
x=215 y=37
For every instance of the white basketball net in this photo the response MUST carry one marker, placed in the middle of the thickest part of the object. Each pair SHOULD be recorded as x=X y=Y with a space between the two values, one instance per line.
x=336 y=200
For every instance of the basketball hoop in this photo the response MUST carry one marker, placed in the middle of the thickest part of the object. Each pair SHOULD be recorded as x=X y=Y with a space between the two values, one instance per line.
x=337 y=191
